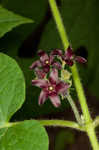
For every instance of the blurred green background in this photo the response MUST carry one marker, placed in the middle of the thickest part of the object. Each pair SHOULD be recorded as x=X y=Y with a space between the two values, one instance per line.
x=81 y=20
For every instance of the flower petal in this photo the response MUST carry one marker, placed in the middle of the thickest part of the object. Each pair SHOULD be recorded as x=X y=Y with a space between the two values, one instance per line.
x=69 y=53
x=39 y=73
x=69 y=62
x=57 y=52
x=61 y=88
x=40 y=83
x=57 y=65
x=43 y=96
x=35 y=64
x=80 y=59
x=53 y=78
x=55 y=100
x=46 y=68
x=43 y=56
x=51 y=57
x=41 y=52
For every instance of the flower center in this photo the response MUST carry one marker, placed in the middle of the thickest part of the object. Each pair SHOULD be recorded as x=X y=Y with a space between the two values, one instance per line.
x=46 y=62
x=50 y=88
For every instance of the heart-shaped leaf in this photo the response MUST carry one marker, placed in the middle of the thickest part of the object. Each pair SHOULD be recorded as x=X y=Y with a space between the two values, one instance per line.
x=12 y=88
x=27 y=135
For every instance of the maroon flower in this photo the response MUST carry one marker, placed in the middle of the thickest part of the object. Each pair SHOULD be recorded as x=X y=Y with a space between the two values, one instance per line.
x=51 y=88
x=57 y=52
x=39 y=73
x=69 y=57
x=45 y=62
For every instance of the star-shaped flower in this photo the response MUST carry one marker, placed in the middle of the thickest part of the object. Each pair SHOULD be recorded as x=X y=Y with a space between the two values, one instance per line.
x=69 y=57
x=45 y=62
x=51 y=88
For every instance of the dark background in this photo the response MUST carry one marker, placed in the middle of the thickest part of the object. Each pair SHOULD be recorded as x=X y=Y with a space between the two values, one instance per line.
x=81 y=20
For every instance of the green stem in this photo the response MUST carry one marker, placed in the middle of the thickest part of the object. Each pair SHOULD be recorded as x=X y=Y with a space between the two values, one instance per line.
x=76 y=78
x=9 y=124
x=62 y=123
x=59 y=23
x=92 y=136
x=80 y=93
x=96 y=122
x=74 y=108
x=59 y=123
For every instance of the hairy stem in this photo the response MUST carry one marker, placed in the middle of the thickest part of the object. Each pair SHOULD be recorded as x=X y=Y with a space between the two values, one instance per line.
x=74 y=108
x=62 y=123
x=80 y=93
x=59 y=123
x=59 y=23
x=76 y=78
x=92 y=136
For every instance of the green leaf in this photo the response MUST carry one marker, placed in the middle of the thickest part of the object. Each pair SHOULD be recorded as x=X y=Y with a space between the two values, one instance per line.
x=9 y=20
x=27 y=135
x=2 y=132
x=33 y=9
x=12 y=88
x=30 y=9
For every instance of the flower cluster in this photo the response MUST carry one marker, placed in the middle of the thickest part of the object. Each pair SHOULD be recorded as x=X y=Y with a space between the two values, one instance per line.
x=42 y=66
x=52 y=86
